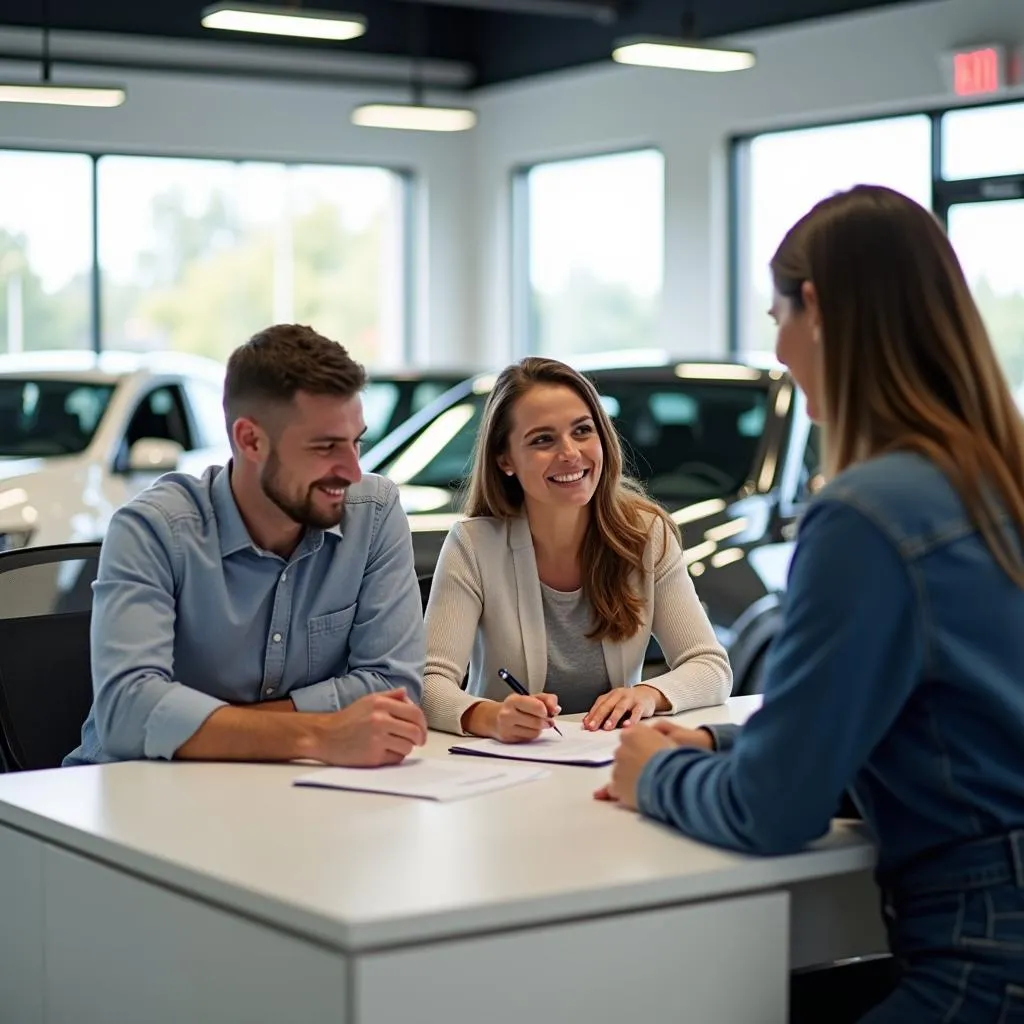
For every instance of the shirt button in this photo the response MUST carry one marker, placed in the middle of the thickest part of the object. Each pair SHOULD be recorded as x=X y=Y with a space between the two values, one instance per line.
x=284 y=576
x=270 y=690
x=277 y=638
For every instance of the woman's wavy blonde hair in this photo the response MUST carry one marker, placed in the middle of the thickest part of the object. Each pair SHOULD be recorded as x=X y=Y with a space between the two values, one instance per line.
x=907 y=361
x=617 y=535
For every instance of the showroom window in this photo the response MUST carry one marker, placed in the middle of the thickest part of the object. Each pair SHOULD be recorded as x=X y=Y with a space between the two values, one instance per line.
x=589 y=239
x=966 y=164
x=46 y=251
x=980 y=195
x=194 y=255
x=783 y=174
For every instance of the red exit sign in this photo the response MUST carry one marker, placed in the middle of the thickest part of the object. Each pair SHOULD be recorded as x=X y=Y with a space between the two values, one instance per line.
x=979 y=70
x=976 y=72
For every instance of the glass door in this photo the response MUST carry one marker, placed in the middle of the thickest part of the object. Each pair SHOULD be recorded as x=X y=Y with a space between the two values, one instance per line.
x=988 y=238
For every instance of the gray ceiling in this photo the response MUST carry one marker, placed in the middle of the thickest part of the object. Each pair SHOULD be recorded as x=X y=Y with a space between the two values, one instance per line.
x=497 y=39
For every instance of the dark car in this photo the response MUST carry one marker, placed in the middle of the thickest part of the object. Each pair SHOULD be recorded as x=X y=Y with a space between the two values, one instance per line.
x=390 y=398
x=727 y=448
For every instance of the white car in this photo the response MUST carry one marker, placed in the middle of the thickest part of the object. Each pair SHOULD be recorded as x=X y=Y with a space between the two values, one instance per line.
x=82 y=433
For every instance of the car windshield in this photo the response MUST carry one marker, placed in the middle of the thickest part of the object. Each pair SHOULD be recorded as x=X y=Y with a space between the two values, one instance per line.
x=685 y=440
x=49 y=416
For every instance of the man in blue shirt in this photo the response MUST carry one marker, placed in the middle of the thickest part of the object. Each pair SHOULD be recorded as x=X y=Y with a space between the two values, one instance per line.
x=268 y=611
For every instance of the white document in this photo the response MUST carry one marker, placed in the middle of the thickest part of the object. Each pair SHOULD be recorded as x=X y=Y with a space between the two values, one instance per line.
x=578 y=746
x=426 y=778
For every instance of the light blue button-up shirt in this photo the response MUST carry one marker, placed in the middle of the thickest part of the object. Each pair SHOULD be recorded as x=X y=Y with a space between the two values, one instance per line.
x=190 y=615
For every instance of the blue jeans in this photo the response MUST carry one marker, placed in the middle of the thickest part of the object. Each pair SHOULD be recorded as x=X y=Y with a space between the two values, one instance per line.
x=956 y=928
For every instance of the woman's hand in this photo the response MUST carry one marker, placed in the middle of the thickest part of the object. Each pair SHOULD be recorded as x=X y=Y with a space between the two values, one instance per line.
x=625 y=705
x=683 y=737
x=637 y=747
x=517 y=719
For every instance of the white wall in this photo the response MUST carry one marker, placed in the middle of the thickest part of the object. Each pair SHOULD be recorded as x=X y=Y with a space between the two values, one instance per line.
x=171 y=114
x=844 y=68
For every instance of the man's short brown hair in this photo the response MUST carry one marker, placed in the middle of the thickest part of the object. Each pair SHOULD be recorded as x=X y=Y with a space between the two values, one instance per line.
x=279 y=361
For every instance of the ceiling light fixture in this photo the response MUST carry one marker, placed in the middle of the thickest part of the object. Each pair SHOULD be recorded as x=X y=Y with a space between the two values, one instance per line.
x=685 y=53
x=269 y=19
x=65 y=94
x=420 y=117
x=681 y=55
x=415 y=116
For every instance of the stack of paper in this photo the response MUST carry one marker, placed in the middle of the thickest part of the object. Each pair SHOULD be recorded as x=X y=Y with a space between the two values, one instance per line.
x=425 y=778
x=577 y=747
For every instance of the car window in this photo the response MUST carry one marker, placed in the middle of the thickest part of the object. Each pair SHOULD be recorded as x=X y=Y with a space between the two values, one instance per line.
x=49 y=417
x=380 y=397
x=684 y=442
x=208 y=413
x=692 y=440
x=160 y=415
x=440 y=454
x=425 y=392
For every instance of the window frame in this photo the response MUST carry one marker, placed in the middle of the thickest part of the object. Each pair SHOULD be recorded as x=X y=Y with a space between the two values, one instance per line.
x=945 y=193
x=524 y=328
x=407 y=178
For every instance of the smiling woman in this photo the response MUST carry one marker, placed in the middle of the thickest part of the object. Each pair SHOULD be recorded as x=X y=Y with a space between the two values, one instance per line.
x=561 y=574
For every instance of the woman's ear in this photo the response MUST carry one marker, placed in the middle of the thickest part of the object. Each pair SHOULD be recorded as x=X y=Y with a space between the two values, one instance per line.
x=809 y=297
x=505 y=465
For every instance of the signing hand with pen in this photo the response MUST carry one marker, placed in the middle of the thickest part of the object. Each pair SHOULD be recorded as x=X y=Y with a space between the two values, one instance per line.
x=517 y=719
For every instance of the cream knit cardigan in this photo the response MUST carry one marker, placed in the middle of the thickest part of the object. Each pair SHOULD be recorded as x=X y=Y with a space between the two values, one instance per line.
x=485 y=611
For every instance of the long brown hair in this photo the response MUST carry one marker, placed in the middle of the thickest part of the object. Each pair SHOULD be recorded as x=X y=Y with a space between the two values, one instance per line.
x=617 y=534
x=907 y=362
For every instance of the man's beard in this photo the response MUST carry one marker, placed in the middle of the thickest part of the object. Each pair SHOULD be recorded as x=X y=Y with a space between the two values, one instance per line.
x=302 y=511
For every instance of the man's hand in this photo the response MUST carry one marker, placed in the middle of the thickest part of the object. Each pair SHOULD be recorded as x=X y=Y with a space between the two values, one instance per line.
x=638 y=746
x=378 y=729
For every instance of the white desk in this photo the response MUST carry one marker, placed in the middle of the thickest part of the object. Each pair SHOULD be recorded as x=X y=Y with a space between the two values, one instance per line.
x=154 y=892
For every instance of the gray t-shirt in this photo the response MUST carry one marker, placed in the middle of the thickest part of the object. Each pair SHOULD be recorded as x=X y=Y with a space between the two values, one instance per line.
x=576 y=669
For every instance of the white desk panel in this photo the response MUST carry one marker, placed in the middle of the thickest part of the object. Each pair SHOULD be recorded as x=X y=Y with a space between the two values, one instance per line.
x=124 y=951
x=678 y=964
x=21 y=928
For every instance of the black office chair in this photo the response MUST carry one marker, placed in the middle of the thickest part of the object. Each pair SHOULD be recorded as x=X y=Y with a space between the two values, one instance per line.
x=841 y=993
x=425 y=583
x=45 y=675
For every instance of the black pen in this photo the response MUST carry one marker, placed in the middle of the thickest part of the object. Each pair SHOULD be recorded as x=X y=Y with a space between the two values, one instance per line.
x=514 y=684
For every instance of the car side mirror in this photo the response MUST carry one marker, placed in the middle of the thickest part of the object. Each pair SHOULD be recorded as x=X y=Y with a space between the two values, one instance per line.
x=154 y=455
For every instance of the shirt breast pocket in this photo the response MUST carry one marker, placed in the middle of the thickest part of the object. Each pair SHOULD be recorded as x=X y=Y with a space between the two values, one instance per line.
x=328 y=643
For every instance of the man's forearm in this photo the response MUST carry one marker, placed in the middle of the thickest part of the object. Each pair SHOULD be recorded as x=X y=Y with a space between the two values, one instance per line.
x=244 y=734
x=270 y=705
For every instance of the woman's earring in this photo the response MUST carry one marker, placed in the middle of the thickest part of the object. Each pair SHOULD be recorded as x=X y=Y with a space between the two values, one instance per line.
x=509 y=472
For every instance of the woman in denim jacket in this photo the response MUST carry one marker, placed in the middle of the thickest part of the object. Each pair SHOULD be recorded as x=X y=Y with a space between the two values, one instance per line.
x=899 y=669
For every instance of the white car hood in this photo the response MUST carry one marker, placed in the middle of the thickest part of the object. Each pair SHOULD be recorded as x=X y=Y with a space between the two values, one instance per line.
x=52 y=494
x=12 y=467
